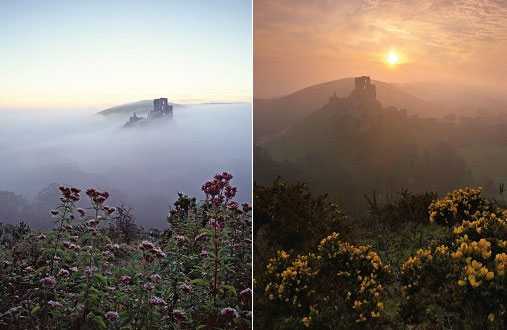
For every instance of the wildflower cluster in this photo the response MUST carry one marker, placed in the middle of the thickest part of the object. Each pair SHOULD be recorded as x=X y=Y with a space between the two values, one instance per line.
x=458 y=205
x=466 y=272
x=341 y=283
x=82 y=274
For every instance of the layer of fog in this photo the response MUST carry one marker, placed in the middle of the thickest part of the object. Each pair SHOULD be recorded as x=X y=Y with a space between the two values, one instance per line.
x=144 y=167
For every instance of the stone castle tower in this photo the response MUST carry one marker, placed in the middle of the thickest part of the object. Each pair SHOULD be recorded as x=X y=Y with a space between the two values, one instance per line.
x=160 y=108
x=364 y=88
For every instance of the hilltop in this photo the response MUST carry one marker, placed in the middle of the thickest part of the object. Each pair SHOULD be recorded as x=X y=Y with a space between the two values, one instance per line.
x=271 y=116
x=140 y=107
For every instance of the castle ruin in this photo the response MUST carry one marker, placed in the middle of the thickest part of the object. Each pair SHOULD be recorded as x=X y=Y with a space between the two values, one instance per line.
x=161 y=108
x=364 y=88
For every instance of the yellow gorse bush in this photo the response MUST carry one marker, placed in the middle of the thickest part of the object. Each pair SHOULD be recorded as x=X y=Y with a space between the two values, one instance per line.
x=457 y=206
x=339 y=276
x=468 y=270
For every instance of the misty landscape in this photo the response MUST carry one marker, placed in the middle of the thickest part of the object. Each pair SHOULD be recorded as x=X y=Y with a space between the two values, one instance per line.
x=380 y=164
x=142 y=167
x=399 y=141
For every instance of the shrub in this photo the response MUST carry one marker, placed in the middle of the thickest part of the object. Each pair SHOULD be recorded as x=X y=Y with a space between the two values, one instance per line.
x=340 y=285
x=458 y=205
x=462 y=281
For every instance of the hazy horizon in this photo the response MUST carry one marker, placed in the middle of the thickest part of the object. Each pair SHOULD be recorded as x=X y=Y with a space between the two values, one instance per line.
x=300 y=43
x=94 y=54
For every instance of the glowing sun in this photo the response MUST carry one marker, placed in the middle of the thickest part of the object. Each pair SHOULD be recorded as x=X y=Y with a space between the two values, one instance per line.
x=392 y=58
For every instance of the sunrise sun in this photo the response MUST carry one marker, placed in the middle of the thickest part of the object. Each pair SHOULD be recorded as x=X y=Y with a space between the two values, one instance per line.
x=392 y=58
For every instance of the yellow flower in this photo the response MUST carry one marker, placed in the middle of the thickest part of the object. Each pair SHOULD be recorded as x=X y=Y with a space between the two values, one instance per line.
x=307 y=320
x=491 y=317
x=490 y=276
x=461 y=283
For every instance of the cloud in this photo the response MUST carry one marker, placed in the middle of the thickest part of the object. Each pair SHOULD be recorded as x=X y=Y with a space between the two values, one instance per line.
x=450 y=39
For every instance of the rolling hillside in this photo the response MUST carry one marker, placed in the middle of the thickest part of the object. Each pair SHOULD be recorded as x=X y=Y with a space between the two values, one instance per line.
x=271 y=116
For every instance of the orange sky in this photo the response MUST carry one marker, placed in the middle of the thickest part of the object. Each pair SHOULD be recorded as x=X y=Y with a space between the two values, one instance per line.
x=298 y=43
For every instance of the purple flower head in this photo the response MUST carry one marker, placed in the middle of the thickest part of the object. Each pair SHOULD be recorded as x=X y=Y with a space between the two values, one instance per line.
x=54 y=304
x=204 y=253
x=187 y=288
x=148 y=286
x=112 y=316
x=157 y=301
x=246 y=292
x=63 y=273
x=89 y=271
x=217 y=200
x=81 y=212
x=125 y=279
x=230 y=192
x=212 y=187
x=246 y=207
x=229 y=312
x=216 y=224
x=146 y=246
x=159 y=253
x=232 y=205
x=48 y=282
x=155 y=278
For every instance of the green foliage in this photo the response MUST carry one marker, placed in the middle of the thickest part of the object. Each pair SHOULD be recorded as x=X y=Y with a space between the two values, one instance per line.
x=462 y=281
x=289 y=217
x=87 y=273
x=340 y=285
x=446 y=273
x=458 y=205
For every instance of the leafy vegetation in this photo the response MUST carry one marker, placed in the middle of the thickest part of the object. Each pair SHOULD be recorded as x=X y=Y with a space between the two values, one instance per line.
x=97 y=270
x=418 y=262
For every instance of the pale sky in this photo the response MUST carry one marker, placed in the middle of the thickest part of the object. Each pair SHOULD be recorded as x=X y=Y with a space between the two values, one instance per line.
x=95 y=54
x=303 y=42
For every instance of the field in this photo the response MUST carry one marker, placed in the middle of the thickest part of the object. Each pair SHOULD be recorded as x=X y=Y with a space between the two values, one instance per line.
x=96 y=269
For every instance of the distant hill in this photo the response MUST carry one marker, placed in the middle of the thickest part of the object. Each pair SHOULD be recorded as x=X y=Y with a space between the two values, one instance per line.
x=271 y=116
x=127 y=109
x=459 y=98
x=354 y=145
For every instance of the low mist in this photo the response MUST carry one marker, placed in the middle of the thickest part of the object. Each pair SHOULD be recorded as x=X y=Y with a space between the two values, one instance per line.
x=142 y=167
